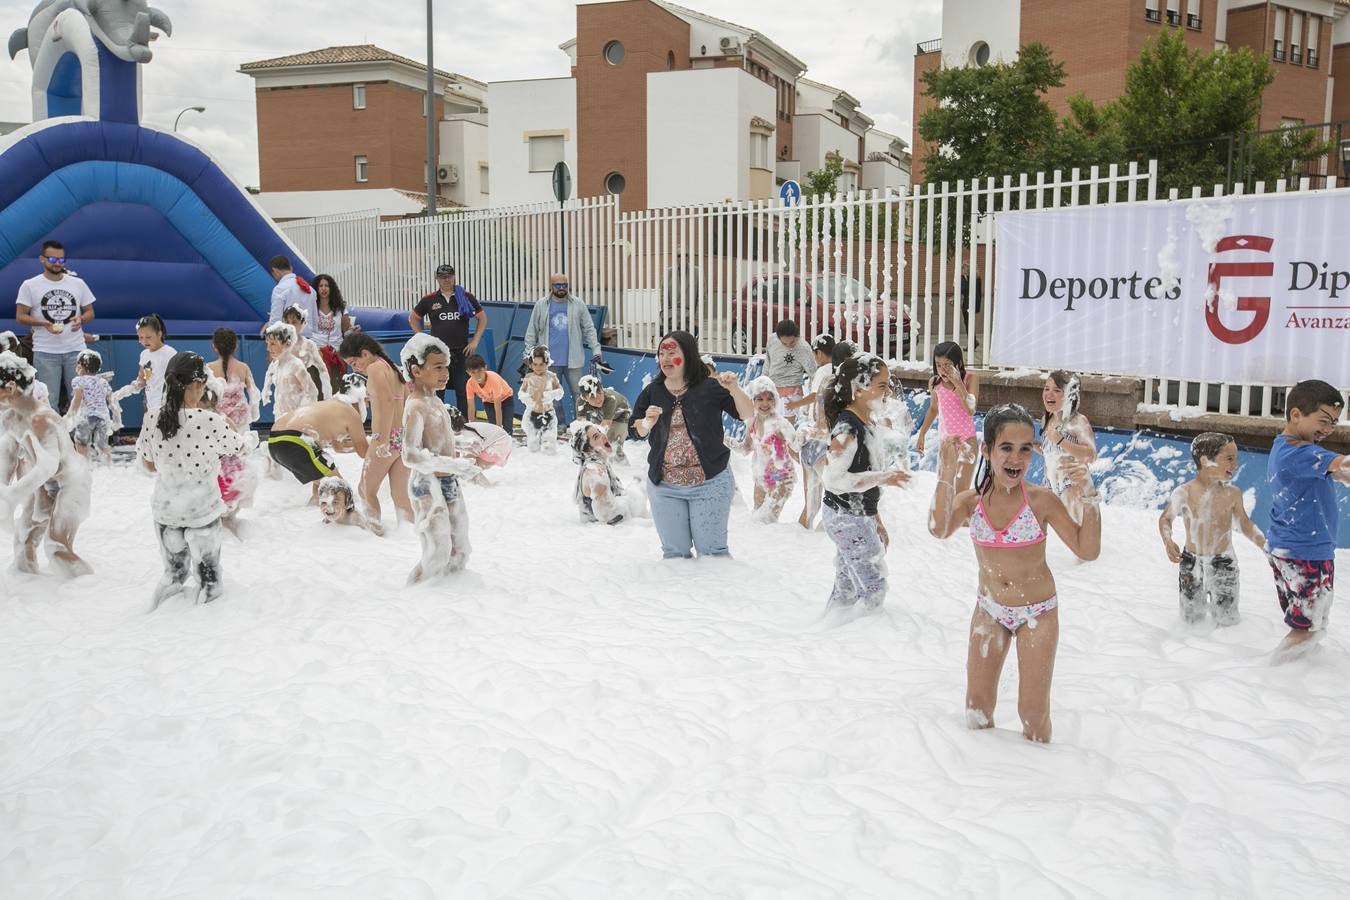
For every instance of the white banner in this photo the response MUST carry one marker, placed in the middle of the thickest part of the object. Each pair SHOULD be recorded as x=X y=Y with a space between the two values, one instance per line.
x=1233 y=289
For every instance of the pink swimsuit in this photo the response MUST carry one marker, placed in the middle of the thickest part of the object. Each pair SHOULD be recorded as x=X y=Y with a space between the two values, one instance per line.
x=1023 y=531
x=954 y=417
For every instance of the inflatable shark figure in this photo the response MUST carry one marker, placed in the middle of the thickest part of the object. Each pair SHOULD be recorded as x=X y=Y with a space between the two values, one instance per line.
x=123 y=26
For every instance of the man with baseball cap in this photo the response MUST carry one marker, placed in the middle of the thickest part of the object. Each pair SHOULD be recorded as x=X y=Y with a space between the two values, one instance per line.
x=449 y=310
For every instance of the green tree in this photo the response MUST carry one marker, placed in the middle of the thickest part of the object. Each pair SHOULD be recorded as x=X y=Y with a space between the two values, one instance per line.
x=825 y=180
x=1195 y=112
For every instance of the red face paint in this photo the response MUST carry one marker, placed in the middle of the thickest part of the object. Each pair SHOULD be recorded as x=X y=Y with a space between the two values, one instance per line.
x=677 y=361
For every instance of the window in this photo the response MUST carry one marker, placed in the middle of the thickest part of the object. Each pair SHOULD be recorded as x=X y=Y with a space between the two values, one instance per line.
x=670 y=60
x=1314 y=35
x=1279 y=33
x=759 y=151
x=482 y=179
x=546 y=151
x=614 y=183
x=362 y=169
x=1173 y=12
x=614 y=53
x=358 y=96
x=1296 y=38
x=1193 y=14
x=1151 y=11
x=979 y=53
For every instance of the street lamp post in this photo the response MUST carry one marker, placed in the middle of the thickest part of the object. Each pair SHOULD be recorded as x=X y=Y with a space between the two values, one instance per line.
x=200 y=109
x=431 y=123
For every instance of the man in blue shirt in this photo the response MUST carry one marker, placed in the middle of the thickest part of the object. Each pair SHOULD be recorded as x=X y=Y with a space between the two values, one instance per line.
x=563 y=323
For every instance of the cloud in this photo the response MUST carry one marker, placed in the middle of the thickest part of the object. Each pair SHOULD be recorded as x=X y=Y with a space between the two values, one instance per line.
x=866 y=47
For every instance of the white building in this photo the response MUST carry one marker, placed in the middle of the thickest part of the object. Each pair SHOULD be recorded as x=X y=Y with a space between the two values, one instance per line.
x=534 y=127
x=886 y=161
x=828 y=121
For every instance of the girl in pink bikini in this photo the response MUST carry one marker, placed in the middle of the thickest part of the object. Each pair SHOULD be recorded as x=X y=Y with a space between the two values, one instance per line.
x=954 y=392
x=1008 y=521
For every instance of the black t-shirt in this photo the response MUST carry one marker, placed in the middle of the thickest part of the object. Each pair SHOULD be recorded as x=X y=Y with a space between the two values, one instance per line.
x=857 y=503
x=448 y=324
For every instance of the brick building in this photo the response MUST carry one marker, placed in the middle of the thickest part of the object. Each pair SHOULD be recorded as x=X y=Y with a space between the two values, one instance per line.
x=1304 y=39
x=354 y=118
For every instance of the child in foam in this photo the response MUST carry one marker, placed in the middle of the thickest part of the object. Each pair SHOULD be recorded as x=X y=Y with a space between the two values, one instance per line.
x=607 y=408
x=815 y=437
x=954 y=394
x=308 y=351
x=853 y=480
x=429 y=451
x=1066 y=434
x=183 y=447
x=1016 y=597
x=240 y=400
x=50 y=479
x=287 y=384
x=93 y=414
x=599 y=493
x=1209 y=506
x=539 y=390
x=486 y=444
x=772 y=444
x=300 y=440
x=489 y=387
x=387 y=395
x=337 y=505
x=1301 y=543
x=237 y=482
x=155 y=356
x=789 y=363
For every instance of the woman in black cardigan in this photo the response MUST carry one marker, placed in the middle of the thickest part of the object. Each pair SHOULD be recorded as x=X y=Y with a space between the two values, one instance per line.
x=688 y=483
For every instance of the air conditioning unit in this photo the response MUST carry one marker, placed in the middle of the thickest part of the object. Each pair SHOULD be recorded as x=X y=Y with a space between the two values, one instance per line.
x=731 y=46
x=447 y=174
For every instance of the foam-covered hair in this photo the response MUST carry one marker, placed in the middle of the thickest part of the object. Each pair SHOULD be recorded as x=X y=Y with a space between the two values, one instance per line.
x=761 y=385
x=9 y=341
x=14 y=369
x=580 y=438
x=419 y=346
x=540 y=352
x=589 y=385
x=90 y=360
x=297 y=311
x=282 y=331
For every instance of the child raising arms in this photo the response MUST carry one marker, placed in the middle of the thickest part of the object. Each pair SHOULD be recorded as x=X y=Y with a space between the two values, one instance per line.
x=1209 y=505
x=954 y=395
x=429 y=451
x=1016 y=597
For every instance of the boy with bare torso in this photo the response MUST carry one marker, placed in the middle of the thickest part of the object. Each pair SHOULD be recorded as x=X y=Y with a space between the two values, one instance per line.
x=1209 y=506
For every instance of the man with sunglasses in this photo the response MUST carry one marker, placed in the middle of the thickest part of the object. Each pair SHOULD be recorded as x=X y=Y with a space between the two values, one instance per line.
x=57 y=305
x=450 y=309
x=563 y=323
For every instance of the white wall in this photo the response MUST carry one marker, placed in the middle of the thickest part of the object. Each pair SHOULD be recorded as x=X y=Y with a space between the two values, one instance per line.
x=463 y=143
x=698 y=134
x=815 y=135
x=876 y=141
x=996 y=22
x=878 y=175
x=519 y=107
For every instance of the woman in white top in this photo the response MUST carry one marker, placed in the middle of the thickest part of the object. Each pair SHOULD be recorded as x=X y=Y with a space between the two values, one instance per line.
x=183 y=447
x=330 y=325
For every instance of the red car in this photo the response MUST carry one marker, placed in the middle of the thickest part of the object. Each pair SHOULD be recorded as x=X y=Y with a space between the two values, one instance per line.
x=837 y=304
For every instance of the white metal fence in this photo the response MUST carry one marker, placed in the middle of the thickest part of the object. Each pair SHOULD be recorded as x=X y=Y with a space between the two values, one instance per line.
x=880 y=268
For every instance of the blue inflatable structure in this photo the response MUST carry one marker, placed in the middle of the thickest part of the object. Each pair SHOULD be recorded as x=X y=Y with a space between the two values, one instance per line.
x=149 y=220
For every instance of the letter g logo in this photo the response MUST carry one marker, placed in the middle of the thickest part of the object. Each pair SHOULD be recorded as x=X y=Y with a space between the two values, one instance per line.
x=1258 y=306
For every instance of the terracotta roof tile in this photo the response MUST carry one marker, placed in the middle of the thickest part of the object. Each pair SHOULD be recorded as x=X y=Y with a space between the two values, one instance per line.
x=352 y=53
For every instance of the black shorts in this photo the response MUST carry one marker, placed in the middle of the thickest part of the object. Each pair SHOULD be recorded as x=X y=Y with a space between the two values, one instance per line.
x=300 y=456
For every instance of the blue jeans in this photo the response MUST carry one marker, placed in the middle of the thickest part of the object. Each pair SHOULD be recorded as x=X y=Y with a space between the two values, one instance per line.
x=571 y=393
x=692 y=518
x=55 y=371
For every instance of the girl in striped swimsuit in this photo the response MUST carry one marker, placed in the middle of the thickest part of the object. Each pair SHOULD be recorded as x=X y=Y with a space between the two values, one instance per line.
x=1016 y=597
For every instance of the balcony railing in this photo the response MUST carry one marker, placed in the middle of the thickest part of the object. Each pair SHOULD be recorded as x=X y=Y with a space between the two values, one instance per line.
x=1192 y=21
x=1173 y=17
x=1312 y=58
x=1152 y=15
x=1296 y=56
x=1279 y=50
x=932 y=46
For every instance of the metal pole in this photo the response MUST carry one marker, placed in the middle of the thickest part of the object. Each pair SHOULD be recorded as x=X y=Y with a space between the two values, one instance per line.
x=200 y=109
x=431 y=121
x=562 y=238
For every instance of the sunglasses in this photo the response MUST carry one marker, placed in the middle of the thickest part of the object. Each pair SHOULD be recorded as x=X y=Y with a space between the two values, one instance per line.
x=55 y=260
x=560 y=285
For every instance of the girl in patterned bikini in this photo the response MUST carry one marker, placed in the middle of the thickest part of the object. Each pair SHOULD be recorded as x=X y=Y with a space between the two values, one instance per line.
x=1016 y=596
x=954 y=393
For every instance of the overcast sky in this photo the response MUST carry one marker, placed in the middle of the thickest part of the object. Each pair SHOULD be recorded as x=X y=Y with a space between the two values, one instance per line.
x=863 y=46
